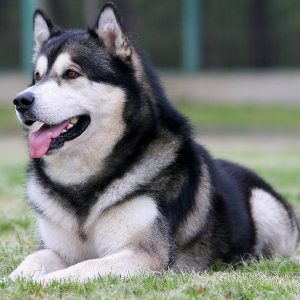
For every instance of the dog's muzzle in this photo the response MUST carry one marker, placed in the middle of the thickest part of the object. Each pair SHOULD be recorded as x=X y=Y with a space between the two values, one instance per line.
x=23 y=101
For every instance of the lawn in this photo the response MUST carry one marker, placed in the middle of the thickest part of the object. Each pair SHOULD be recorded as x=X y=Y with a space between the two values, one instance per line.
x=274 y=279
x=222 y=118
x=8 y=120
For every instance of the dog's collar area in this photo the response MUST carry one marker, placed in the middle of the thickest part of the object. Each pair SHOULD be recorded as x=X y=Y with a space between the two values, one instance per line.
x=71 y=132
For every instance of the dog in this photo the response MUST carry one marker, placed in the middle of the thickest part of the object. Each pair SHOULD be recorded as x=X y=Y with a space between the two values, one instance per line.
x=118 y=184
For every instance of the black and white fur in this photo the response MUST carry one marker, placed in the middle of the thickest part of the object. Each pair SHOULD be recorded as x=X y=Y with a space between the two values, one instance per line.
x=133 y=193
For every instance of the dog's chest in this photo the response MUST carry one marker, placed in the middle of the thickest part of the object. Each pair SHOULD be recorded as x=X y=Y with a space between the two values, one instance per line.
x=115 y=229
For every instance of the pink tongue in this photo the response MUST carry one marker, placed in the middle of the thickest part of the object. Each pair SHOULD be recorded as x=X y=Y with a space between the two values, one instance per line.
x=39 y=141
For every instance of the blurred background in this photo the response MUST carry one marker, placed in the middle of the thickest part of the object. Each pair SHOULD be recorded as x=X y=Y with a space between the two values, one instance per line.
x=231 y=66
x=228 y=34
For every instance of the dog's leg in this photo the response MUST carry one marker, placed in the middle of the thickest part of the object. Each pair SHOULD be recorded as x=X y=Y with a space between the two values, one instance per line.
x=38 y=264
x=124 y=263
x=277 y=231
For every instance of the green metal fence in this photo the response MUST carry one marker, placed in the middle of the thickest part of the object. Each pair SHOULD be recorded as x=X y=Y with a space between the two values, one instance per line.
x=187 y=35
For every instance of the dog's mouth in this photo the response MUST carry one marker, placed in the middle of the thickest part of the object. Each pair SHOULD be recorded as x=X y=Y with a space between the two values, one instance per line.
x=53 y=137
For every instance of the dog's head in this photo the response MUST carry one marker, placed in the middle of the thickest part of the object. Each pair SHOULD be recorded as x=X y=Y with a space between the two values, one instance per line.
x=80 y=83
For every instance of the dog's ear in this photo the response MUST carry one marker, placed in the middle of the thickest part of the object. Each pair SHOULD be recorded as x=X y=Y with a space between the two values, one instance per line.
x=43 y=28
x=112 y=32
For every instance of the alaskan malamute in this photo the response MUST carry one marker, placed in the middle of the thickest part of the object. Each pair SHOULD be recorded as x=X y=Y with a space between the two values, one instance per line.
x=117 y=181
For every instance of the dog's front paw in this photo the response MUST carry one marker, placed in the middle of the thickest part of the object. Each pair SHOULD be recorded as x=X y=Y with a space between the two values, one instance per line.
x=38 y=264
x=26 y=273
x=3 y=280
x=59 y=276
x=46 y=280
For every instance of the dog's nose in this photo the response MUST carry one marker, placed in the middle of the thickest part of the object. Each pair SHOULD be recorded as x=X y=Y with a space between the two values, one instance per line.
x=23 y=101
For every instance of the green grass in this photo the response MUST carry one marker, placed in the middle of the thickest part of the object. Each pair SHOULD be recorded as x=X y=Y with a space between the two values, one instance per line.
x=8 y=120
x=278 y=278
x=249 y=282
x=240 y=118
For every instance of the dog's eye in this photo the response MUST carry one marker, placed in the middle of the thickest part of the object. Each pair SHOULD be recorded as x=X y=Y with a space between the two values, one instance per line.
x=37 y=76
x=71 y=74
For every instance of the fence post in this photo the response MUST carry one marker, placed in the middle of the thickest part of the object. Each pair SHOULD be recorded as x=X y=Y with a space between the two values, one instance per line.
x=191 y=35
x=27 y=9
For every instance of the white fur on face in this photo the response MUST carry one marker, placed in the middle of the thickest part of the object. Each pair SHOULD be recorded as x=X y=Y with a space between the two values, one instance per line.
x=74 y=163
x=276 y=233
x=57 y=100
x=41 y=65
x=63 y=63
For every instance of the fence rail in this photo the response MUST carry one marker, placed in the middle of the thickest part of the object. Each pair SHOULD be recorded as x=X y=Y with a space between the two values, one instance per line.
x=176 y=34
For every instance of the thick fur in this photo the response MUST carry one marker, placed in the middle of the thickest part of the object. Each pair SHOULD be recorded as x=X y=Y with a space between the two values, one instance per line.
x=134 y=193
